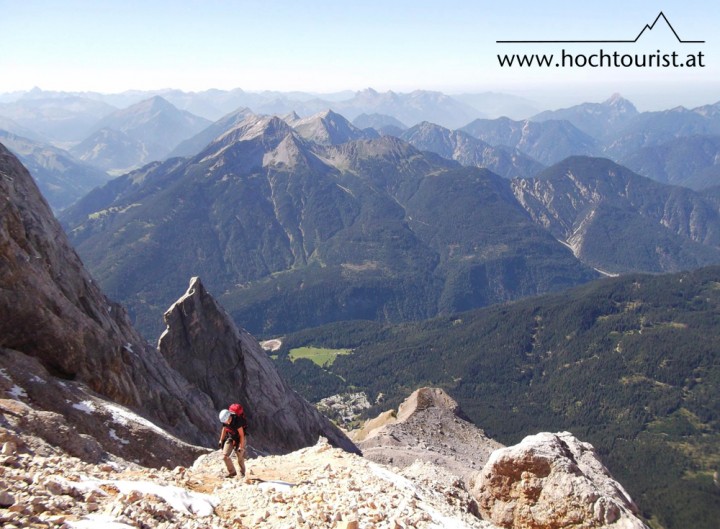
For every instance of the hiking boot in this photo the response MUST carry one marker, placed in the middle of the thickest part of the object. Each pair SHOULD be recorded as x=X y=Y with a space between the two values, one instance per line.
x=231 y=475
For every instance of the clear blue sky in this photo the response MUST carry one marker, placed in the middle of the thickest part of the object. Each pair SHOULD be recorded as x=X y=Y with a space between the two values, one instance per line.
x=325 y=46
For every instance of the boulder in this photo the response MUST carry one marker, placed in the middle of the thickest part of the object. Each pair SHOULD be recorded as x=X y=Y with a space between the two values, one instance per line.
x=551 y=481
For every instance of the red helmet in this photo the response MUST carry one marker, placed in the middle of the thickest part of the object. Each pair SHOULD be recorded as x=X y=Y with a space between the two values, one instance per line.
x=237 y=409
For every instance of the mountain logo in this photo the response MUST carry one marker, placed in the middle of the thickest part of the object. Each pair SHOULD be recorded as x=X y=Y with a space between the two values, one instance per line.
x=647 y=27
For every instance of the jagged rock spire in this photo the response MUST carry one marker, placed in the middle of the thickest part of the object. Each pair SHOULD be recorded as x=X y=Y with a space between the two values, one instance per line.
x=227 y=363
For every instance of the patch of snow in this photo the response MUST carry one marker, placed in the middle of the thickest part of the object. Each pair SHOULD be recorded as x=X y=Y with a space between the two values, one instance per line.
x=279 y=486
x=16 y=392
x=124 y=416
x=86 y=406
x=128 y=348
x=5 y=374
x=37 y=379
x=178 y=498
x=113 y=435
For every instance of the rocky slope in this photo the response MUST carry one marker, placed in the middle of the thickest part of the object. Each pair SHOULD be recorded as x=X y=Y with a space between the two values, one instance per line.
x=330 y=128
x=428 y=426
x=318 y=486
x=618 y=221
x=547 y=480
x=469 y=151
x=53 y=312
x=42 y=486
x=547 y=142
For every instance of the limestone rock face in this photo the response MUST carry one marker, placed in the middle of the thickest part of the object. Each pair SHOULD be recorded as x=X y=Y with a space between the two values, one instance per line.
x=228 y=364
x=552 y=481
x=51 y=310
x=68 y=415
x=429 y=426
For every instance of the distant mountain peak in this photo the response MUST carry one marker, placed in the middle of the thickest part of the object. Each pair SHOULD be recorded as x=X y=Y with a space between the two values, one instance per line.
x=618 y=102
x=291 y=117
x=329 y=128
x=154 y=103
x=254 y=126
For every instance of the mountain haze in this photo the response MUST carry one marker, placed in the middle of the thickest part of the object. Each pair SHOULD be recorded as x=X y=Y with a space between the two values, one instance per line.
x=144 y=132
x=61 y=178
x=64 y=118
x=599 y=120
x=653 y=128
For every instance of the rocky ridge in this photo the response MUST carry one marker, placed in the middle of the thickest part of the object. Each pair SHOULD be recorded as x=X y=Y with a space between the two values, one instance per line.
x=429 y=426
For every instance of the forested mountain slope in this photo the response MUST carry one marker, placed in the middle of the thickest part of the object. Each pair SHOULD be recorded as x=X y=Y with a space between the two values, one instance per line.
x=631 y=364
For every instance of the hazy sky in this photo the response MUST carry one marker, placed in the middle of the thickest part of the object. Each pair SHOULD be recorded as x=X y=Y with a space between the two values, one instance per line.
x=326 y=46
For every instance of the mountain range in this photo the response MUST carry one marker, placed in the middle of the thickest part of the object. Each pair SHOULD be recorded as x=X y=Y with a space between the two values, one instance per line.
x=273 y=212
x=294 y=233
x=658 y=145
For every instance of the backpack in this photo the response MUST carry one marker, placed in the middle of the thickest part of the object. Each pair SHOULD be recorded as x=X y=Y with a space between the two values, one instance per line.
x=237 y=409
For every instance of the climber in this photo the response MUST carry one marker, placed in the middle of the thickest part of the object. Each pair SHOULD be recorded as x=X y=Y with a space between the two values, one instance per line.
x=232 y=438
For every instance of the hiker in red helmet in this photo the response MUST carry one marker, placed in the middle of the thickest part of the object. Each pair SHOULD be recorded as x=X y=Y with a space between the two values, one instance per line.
x=232 y=438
